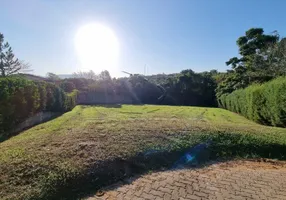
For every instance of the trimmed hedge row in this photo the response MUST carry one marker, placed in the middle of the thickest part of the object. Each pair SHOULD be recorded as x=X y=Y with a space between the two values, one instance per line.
x=21 y=98
x=265 y=103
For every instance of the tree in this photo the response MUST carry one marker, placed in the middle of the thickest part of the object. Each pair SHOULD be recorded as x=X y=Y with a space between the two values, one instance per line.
x=104 y=75
x=276 y=62
x=8 y=63
x=52 y=76
x=87 y=75
x=252 y=46
x=256 y=64
x=81 y=83
x=104 y=83
x=67 y=86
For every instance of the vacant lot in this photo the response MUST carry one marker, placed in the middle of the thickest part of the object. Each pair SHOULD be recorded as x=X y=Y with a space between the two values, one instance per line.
x=92 y=145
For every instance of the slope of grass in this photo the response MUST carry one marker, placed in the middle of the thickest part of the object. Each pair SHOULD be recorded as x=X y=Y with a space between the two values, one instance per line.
x=86 y=146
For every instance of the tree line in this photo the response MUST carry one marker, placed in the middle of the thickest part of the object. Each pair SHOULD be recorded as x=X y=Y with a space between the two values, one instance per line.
x=262 y=59
x=184 y=88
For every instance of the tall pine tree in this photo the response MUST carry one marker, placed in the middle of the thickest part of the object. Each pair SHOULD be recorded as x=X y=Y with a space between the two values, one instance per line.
x=8 y=63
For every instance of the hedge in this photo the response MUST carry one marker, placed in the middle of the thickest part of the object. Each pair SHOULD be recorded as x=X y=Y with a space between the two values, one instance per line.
x=21 y=98
x=265 y=103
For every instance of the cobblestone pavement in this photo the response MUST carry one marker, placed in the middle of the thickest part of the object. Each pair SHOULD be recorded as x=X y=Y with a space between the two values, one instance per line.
x=230 y=180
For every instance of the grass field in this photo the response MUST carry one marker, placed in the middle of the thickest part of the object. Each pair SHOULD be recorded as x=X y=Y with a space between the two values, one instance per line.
x=91 y=145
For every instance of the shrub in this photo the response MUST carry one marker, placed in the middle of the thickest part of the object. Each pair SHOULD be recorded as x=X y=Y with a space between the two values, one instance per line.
x=50 y=90
x=264 y=103
x=67 y=86
x=43 y=95
x=71 y=100
x=18 y=100
x=21 y=98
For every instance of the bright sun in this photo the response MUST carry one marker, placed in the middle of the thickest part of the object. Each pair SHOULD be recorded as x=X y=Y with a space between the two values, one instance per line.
x=97 y=47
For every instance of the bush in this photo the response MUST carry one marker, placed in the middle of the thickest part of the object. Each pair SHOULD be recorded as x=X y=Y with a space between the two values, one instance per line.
x=21 y=98
x=264 y=103
x=43 y=96
x=67 y=86
x=71 y=100
x=18 y=100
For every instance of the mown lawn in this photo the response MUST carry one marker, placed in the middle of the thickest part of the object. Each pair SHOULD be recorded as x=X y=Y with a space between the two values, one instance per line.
x=77 y=151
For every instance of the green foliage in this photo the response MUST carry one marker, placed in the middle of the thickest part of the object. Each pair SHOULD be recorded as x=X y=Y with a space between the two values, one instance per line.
x=80 y=84
x=18 y=100
x=52 y=76
x=67 y=86
x=85 y=75
x=184 y=88
x=253 y=43
x=21 y=98
x=70 y=100
x=42 y=88
x=264 y=103
x=263 y=58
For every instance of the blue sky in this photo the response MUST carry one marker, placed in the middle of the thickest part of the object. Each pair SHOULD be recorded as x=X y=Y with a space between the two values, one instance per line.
x=166 y=35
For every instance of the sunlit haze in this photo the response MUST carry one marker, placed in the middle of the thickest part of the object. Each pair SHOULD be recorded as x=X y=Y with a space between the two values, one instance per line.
x=166 y=36
x=97 y=48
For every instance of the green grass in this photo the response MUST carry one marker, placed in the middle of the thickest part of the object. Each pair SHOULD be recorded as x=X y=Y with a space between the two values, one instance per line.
x=85 y=146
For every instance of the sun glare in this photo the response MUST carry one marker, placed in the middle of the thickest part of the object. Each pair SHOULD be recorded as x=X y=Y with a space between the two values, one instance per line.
x=97 y=48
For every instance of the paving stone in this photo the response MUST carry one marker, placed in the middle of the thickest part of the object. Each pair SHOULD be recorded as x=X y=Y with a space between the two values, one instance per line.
x=242 y=180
